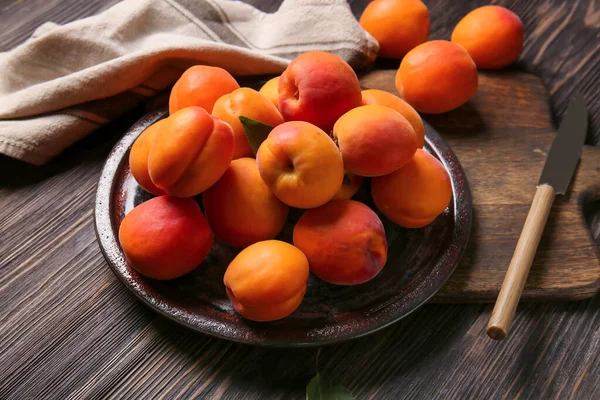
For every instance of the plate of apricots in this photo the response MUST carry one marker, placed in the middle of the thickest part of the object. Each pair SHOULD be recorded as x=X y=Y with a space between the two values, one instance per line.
x=300 y=211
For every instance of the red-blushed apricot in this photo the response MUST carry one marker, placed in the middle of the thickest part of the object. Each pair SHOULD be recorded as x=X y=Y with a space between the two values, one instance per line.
x=300 y=164
x=138 y=159
x=493 y=36
x=240 y=207
x=267 y=280
x=374 y=140
x=201 y=86
x=190 y=152
x=436 y=77
x=398 y=25
x=165 y=237
x=318 y=87
x=414 y=195
x=350 y=186
x=270 y=90
x=382 y=98
x=344 y=241
x=250 y=104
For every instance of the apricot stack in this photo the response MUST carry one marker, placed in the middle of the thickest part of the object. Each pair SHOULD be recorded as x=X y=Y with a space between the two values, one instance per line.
x=307 y=139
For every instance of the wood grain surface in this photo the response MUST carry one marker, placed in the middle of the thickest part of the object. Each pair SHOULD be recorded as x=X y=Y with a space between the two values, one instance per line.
x=69 y=329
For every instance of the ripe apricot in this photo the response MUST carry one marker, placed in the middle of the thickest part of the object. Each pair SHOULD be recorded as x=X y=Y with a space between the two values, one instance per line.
x=240 y=208
x=344 y=241
x=300 y=164
x=201 y=86
x=382 y=98
x=190 y=152
x=267 y=280
x=374 y=140
x=350 y=186
x=318 y=87
x=414 y=195
x=248 y=103
x=269 y=90
x=493 y=36
x=165 y=237
x=138 y=159
x=436 y=77
x=398 y=25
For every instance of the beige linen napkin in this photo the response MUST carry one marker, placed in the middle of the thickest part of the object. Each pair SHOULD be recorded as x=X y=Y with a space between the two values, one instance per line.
x=66 y=81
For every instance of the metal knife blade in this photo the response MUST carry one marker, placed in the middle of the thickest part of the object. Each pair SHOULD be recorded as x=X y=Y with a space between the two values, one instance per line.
x=566 y=147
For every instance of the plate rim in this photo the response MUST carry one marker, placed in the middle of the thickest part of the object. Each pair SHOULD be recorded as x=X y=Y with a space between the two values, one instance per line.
x=103 y=221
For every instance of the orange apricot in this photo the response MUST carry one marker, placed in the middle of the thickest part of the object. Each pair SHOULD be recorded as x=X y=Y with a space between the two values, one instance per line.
x=414 y=195
x=382 y=98
x=374 y=140
x=300 y=164
x=344 y=241
x=436 y=77
x=318 y=87
x=267 y=280
x=493 y=36
x=269 y=90
x=398 y=25
x=201 y=86
x=240 y=208
x=165 y=237
x=350 y=186
x=138 y=159
x=248 y=103
x=190 y=152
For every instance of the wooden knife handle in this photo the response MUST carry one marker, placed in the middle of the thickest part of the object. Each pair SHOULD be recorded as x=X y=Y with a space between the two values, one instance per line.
x=517 y=272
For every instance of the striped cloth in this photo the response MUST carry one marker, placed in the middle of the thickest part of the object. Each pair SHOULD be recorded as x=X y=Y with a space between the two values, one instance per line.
x=66 y=81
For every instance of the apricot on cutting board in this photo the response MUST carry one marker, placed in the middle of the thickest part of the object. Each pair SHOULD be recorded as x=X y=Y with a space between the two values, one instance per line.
x=436 y=77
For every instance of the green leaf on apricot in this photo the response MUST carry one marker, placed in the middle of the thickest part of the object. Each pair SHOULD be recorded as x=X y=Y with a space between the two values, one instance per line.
x=256 y=132
x=321 y=387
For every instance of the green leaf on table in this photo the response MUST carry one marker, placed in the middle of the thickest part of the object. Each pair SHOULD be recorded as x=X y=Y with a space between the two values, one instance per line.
x=321 y=387
x=256 y=132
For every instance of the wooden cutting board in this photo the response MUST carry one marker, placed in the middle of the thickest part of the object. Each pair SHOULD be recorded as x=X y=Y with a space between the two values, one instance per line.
x=501 y=137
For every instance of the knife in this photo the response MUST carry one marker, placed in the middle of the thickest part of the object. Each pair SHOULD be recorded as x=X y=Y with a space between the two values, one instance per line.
x=558 y=170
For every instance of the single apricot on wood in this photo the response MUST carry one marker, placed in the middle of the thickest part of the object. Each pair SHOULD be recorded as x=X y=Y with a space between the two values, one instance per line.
x=138 y=159
x=300 y=164
x=374 y=140
x=190 y=152
x=165 y=237
x=344 y=241
x=241 y=209
x=414 y=195
x=269 y=90
x=318 y=87
x=201 y=86
x=383 y=98
x=249 y=103
x=398 y=25
x=267 y=280
x=436 y=77
x=493 y=36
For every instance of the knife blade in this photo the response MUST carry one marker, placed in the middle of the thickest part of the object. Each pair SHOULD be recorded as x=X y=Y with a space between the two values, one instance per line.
x=560 y=165
x=566 y=147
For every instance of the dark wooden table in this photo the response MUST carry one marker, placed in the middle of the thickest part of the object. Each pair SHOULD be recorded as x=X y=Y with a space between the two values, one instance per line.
x=69 y=329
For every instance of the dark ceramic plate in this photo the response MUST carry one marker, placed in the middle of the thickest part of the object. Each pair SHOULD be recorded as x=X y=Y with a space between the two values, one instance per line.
x=419 y=262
